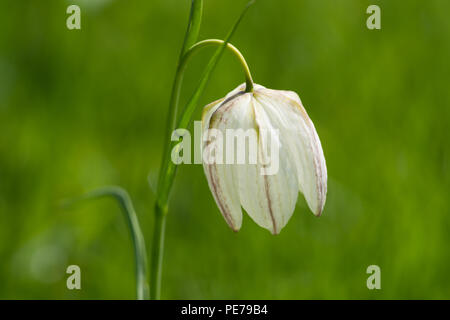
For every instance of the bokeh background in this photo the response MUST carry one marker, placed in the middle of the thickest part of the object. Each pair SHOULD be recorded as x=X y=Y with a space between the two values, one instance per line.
x=86 y=108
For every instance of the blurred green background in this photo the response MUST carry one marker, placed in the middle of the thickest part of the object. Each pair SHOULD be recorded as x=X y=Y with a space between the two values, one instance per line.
x=85 y=108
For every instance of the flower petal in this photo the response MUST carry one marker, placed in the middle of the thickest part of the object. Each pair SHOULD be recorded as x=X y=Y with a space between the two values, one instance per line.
x=268 y=196
x=222 y=178
x=208 y=111
x=221 y=183
x=297 y=132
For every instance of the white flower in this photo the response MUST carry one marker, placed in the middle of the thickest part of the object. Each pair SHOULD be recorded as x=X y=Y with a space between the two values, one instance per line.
x=268 y=198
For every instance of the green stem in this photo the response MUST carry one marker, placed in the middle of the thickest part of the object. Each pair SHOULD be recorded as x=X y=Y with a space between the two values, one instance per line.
x=157 y=252
x=216 y=42
x=193 y=29
x=167 y=172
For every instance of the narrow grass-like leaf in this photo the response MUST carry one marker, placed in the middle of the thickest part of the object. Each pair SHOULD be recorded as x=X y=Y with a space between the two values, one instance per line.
x=140 y=254
x=193 y=29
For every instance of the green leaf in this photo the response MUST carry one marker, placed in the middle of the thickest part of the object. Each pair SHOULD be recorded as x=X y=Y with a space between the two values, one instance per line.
x=193 y=29
x=140 y=254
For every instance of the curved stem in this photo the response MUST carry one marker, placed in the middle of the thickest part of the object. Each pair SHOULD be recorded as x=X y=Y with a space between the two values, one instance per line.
x=216 y=42
x=176 y=89
x=167 y=167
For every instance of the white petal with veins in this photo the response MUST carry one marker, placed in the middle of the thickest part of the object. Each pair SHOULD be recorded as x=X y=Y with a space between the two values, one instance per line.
x=269 y=199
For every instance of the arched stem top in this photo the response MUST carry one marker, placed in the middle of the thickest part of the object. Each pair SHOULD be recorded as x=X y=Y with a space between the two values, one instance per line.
x=233 y=49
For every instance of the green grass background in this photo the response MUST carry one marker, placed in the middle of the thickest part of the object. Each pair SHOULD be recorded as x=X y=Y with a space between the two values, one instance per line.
x=83 y=109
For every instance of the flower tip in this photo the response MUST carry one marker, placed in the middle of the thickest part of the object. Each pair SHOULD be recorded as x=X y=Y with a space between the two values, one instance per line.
x=318 y=212
x=235 y=229
x=275 y=232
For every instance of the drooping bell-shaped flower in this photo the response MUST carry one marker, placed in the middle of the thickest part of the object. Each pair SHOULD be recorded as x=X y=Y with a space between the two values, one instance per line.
x=264 y=171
